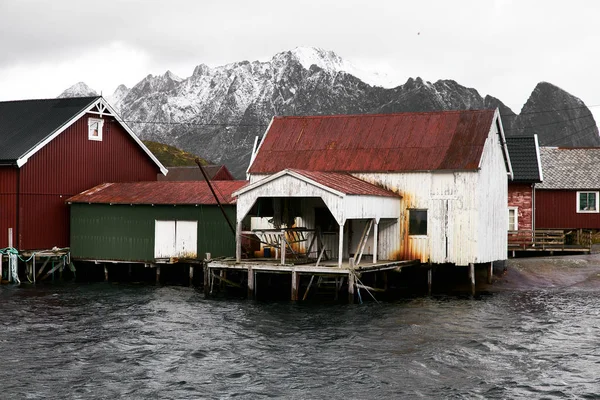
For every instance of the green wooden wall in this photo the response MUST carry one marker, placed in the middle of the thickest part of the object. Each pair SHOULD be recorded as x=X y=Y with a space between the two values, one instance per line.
x=126 y=232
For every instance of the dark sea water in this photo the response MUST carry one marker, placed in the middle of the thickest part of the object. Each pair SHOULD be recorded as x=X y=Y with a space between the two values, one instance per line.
x=118 y=341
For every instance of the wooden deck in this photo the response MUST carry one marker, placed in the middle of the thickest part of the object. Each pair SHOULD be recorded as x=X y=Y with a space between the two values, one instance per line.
x=554 y=240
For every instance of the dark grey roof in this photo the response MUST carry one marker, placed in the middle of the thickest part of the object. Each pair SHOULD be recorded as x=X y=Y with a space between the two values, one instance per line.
x=25 y=123
x=190 y=173
x=570 y=168
x=522 y=151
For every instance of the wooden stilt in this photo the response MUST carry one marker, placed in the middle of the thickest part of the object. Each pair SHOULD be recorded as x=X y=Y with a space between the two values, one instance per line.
x=472 y=278
x=490 y=272
x=385 y=280
x=158 y=274
x=191 y=267
x=129 y=271
x=429 y=279
x=312 y=278
x=105 y=272
x=1 y=257
x=238 y=242
x=351 y=287
x=206 y=284
x=341 y=246
x=295 y=285
x=250 y=283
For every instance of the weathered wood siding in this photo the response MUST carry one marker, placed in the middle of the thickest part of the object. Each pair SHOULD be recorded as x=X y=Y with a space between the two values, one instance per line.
x=520 y=195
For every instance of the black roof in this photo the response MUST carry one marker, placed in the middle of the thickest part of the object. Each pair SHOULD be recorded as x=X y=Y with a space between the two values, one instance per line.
x=25 y=123
x=524 y=159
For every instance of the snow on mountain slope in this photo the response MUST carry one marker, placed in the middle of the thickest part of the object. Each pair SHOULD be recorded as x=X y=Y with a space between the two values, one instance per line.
x=80 y=89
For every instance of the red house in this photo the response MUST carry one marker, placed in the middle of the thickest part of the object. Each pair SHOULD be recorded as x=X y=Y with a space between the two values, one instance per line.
x=56 y=148
x=568 y=197
x=524 y=154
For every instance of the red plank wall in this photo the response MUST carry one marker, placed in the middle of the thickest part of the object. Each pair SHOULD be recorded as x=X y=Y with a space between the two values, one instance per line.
x=556 y=209
x=521 y=195
x=8 y=203
x=70 y=164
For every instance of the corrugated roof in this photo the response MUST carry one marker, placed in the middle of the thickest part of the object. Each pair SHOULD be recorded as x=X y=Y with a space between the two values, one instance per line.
x=219 y=172
x=570 y=168
x=346 y=183
x=524 y=158
x=446 y=140
x=25 y=123
x=154 y=192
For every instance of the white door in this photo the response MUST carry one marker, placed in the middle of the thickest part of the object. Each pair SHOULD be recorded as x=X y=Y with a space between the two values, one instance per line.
x=175 y=239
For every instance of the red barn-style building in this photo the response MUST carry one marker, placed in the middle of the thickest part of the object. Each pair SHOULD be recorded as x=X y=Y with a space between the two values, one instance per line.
x=53 y=149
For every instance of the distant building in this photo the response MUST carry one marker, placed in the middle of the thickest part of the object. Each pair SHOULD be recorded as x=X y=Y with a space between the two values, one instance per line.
x=429 y=186
x=214 y=173
x=53 y=149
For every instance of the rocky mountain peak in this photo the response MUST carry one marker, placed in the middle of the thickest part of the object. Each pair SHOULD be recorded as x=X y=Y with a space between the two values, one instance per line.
x=80 y=89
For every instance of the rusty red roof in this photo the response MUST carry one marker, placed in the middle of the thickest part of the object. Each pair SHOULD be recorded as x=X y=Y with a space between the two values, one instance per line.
x=427 y=141
x=155 y=192
x=346 y=183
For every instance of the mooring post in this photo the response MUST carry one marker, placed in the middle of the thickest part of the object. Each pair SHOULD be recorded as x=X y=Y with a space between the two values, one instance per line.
x=191 y=266
x=105 y=273
x=490 y=272
x=429 y=276
x=295 y=285
x=351 y=287
x=158 y=274
x=250 y=283
x=472 y=278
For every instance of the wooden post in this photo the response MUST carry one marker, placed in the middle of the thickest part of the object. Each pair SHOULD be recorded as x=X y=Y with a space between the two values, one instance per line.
x=105 y=273
x=129 y=271
x=158 y=274
x=341 y=246
x=1 y=257
x=295 y=285
x=472 y=277
x=32 y=266
x=375 y=240
x=282 y=247
x=206 y=279
x=385 y=280
x=429 y=279
x=250 y=283
x=238 y=242
x=351 y=287
x=10 y=244
x=191 y=274
x=490 y=272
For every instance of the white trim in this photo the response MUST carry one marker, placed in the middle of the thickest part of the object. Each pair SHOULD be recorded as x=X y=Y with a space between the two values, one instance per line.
x=596 y=211
x=539 y=158
x=259 y=146
x=497 y=122
x=98 y=136
x=296 y=175
x=516 y=224
x=102 y=106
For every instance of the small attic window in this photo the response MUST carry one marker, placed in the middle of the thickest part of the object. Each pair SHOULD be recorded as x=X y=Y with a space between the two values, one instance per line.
x=95 y=128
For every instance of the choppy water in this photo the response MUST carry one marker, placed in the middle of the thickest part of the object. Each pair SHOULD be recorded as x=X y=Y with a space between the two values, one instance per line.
x=113 y=341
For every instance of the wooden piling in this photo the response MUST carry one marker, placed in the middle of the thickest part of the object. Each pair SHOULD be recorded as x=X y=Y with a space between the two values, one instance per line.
x=206 y=279
x=295 y=285
x=490 y=272
x=429 y=279
x=158 y=274
x=191 y=267
x=472 y=278
x=105 y=273
x=250 y=283
x=351 y=287
x=1 y=257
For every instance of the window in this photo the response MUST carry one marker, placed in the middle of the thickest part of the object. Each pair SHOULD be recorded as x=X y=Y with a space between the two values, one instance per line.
x=587 y=202
x=95 y=128
x=417 y=222
x=513 y=218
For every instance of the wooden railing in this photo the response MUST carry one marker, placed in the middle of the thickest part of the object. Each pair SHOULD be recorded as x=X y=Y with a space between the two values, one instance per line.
x=549 y=239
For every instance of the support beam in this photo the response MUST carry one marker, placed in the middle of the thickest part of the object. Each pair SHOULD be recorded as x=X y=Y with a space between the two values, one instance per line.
x=282 y=247
x=351 y=287
x=295 y=285
x=206 y=282
x=375 y=242
x=105 y=273
x=429 y=279
x=490 y=272
x=238 y=242
x=158 y=274
x=341 y=246
x=191 y=267
x=472 y=278
x=1 y=257
x=250 y=283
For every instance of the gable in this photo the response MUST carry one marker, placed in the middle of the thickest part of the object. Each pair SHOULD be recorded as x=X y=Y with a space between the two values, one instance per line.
x=448 y=140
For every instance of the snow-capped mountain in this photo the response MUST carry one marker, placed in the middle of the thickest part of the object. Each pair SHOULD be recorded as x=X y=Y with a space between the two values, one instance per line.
x=218 y=111
x=80 y=89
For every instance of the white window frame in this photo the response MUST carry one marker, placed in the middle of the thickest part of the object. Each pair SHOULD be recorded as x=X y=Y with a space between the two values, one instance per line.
x=579 y=211
x=426 y=221
x=91 y=123
x=516 y=223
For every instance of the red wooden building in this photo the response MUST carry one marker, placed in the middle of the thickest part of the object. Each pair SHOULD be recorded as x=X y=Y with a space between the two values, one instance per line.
x=568 y=198
x=524 y=154
x=53 y=149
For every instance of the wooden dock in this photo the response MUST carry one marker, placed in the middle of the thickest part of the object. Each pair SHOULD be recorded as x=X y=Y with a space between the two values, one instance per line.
x=550 y=240
x=348 y=272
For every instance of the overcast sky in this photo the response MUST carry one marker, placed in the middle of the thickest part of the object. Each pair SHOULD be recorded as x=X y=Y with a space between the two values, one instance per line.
x=499 y=47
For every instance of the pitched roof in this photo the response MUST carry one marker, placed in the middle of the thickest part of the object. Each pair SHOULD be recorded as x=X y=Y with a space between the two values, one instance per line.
x=524 y=157
x=570 y=168
x=154 y=192
x=339 y=182
x=25 y=123
x=214 y=172
x=28 y=125
x=446 y=140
